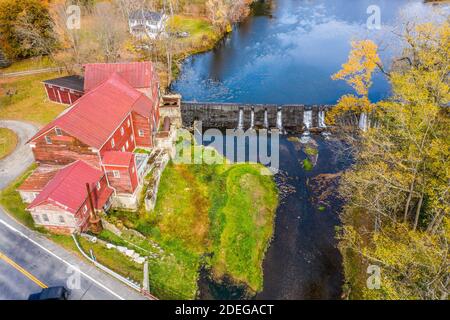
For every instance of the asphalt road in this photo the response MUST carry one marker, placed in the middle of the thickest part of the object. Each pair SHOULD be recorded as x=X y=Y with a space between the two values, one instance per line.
x=29 y=261
x=16 y=163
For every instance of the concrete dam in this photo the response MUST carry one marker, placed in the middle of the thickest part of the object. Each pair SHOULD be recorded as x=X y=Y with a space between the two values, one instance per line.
x=245 y=116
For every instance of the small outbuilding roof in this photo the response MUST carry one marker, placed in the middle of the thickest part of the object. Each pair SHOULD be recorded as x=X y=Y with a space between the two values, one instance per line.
x=69 y=82
x=40 y=177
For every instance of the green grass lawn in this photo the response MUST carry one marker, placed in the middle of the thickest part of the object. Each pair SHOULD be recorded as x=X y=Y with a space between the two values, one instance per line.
x=12 y=202
x=29 y=101
x=29 y=64
x=202 y=34
x=243 y=216
x=8 y=142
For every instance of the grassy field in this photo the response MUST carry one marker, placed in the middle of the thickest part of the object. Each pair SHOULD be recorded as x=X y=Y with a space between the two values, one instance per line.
x=12 y=202
x=244 y=216
x=28 y=101
x=29 y=64
x=202 y=34
x=8 y=142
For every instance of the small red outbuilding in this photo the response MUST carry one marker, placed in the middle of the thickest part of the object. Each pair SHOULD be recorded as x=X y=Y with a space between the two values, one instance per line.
x=64 y=90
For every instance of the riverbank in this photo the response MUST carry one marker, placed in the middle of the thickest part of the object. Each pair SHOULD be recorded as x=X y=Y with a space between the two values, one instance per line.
x=217 y=217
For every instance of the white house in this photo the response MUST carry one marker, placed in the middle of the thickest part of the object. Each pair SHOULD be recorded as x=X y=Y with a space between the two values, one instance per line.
x=144 y=23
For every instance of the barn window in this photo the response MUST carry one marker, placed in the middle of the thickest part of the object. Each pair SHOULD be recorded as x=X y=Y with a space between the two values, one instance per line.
x=116 y=173
x=132 y=170
x=122 y=131
x=61 y=219
x=123 y=149
x=127 y=144
x=48 y=140
x=112 y=143
x=58 y=131
x=50 y=86
x=99 y=186
x=129 y=123
x=37 y=218
x=132 y=138
x=45 y=217
x=141 y=133
x=85 y=209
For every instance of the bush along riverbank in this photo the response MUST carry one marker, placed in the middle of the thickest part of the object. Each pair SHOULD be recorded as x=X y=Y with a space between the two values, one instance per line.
x=218 y=217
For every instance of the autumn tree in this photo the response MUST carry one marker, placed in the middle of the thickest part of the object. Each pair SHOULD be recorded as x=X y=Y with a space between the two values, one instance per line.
x=74 y=51
x=26 y=28
x=110 y=30
x=397 y=193
x=356 y=72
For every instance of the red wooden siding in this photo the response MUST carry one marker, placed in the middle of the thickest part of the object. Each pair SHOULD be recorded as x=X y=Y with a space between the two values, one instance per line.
x=63 y=150
x=142 y=123
x=127 y=182
x=120 y=141
x=62 y=95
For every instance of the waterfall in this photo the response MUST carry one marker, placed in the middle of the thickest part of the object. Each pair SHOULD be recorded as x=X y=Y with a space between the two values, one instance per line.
x=322 y=119
x=307 y=119
x=279 y=119
x=252 y=119
x=363 y=121
x=266 y=120
x=241 y=119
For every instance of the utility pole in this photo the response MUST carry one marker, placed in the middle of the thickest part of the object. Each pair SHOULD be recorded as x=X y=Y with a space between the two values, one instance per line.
x=95 y=223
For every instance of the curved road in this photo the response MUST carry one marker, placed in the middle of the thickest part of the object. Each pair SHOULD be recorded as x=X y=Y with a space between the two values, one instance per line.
x=16 y=163
x=29 y=261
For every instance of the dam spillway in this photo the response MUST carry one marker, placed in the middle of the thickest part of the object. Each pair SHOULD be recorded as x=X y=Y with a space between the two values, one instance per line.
x=233 y=115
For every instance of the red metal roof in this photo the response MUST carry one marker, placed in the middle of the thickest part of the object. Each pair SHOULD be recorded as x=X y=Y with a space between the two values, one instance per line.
x=117 y=158
x=67 y=189
x=95 y=116
x=137 y=74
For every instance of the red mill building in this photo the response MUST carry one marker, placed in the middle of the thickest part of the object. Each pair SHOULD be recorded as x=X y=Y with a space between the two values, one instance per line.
x=92 y=143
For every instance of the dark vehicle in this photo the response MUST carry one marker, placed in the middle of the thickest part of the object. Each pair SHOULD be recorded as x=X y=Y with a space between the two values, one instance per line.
x=52 y=293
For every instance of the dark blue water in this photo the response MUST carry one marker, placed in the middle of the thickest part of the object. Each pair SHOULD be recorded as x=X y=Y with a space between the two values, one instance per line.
x=287 y=52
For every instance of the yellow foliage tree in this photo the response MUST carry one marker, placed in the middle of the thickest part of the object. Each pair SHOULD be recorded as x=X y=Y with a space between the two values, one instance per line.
x=357 y=72
x=398 y=205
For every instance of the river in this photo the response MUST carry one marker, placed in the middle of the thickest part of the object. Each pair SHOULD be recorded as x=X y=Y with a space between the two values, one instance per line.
x=284 y=53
